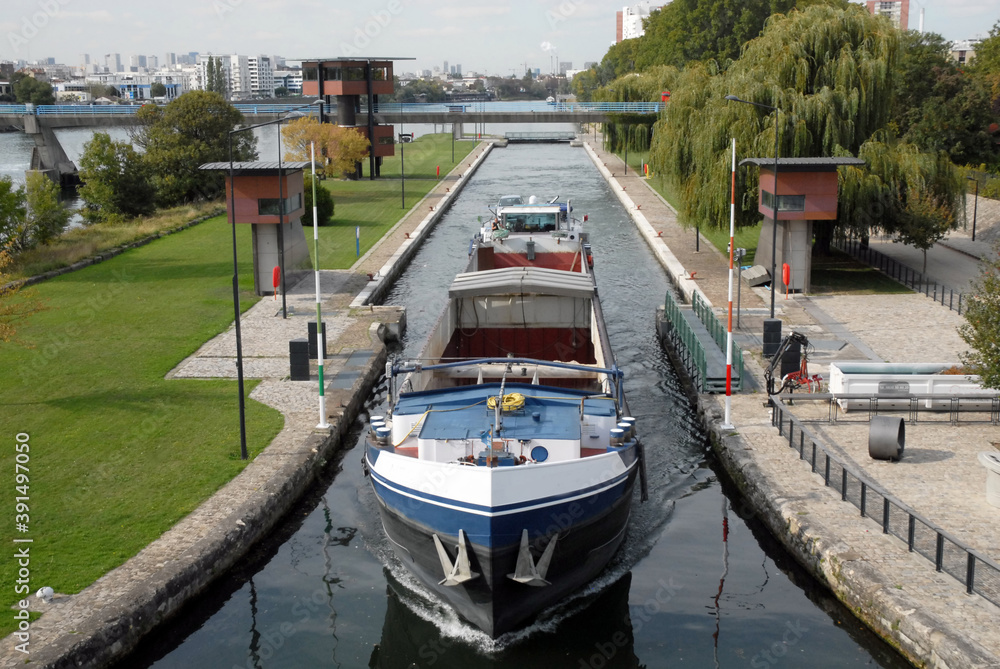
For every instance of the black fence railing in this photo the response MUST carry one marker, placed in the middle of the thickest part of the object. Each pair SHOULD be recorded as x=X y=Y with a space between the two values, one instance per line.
x=927 y=408
x=979 y=573
x=909 y=277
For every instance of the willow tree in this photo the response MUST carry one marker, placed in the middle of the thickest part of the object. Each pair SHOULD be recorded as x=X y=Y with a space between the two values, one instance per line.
x=634 y=130
x=831 y=73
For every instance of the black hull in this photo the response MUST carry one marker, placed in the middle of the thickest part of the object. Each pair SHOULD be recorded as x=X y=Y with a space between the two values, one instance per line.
x=493 y=602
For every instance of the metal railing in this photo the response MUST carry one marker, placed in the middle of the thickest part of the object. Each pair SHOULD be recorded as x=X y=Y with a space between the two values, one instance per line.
x=979 y=573
x=719 y=333
x=953 y=409
x=685 y=342
x=131 y=109
x=911 y=278
x=540 y=107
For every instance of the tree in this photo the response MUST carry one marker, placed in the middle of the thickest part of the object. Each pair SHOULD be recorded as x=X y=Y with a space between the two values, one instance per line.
x=419 y=90
x=337 y=148
x=831 y=73
x=46 y=216
x=12 y=211
x=157 y=89
x=281 y=92
x=982 y=328
x=939 y=107
x=324 y=202
x=215 y=77
x=986 y=64
x=15 y=304
x=30 y=90
x=188 y=132
x=687 y=30
x=116 y=180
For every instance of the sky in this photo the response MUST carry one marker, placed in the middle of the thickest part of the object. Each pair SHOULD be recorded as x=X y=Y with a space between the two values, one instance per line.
x=499 y=38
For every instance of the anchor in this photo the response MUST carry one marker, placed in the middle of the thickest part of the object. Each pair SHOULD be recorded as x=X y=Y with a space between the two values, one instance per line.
x=527 y=571
x=460 y=572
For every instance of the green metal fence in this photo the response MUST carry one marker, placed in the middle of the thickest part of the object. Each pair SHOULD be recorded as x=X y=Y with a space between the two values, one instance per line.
x=719 y=333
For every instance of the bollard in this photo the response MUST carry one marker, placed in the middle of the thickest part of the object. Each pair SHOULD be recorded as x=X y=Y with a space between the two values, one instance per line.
x=886 y=438
x=298 y=359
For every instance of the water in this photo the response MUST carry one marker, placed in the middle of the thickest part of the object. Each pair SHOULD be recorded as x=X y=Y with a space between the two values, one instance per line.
x=698 y=581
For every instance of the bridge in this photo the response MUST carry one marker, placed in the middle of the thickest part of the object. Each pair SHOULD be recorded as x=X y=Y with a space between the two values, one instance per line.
x=40 y=120
x=70 y=116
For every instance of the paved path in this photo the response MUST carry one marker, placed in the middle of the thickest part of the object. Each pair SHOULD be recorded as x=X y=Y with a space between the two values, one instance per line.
x=926 y=614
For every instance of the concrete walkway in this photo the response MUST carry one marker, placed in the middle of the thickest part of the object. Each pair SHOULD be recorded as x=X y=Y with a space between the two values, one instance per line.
x=925 y=614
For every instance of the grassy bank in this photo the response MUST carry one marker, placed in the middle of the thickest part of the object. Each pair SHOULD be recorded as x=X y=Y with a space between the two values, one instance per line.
x=374 y=207
x=117 y=453
x=80 y=243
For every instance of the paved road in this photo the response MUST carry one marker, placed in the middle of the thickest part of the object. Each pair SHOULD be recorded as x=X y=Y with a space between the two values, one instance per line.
x=945 y=264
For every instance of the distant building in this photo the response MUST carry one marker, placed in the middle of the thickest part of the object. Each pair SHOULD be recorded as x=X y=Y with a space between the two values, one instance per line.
x=963 y=51
x=169 y=59
x=565 y=65
x=629 y=20
x=898 y=11
x=113 y=62
x=289 y=79
x=236 y=69
x=261 y=76
x=136 y=86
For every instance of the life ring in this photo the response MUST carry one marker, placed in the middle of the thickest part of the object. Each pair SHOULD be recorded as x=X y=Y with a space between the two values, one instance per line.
x=511 y=402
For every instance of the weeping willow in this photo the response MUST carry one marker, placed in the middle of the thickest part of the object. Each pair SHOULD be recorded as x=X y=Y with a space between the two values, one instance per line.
x=634 y=132
x=831 y=73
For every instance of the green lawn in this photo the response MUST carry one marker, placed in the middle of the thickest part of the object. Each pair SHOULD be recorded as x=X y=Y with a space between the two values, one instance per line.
x=118 y=454
x=376 y=206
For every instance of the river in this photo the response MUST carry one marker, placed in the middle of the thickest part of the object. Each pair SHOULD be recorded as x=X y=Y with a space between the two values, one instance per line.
x=697 y=583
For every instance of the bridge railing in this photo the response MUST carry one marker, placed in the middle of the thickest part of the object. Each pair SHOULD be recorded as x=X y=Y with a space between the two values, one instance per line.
x=539 y=107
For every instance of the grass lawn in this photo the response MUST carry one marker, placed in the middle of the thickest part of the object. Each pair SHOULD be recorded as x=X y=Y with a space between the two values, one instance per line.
x=839 y=274
x=376 y=206
x=118 y=454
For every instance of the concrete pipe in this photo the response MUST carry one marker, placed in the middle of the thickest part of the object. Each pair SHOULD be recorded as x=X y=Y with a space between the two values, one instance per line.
x=886 y=438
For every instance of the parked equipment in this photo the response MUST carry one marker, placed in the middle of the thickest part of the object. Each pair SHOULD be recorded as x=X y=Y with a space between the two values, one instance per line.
x=800 y=375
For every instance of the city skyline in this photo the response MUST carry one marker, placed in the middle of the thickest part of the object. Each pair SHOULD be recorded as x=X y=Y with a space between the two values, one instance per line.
x=484 y=37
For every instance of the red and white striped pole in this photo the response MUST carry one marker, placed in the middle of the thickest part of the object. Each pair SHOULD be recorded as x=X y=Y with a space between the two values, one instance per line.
x=728 y=420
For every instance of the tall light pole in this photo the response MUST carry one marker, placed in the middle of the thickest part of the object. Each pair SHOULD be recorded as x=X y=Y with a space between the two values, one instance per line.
x=975 y=207
x=236 y=274
x=774 y=226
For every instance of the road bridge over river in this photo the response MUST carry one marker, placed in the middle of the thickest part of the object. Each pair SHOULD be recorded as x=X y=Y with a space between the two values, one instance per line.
x=81 y=116
x=40 y=120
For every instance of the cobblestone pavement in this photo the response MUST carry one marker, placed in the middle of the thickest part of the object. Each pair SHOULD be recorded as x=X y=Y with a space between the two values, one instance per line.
x=925 y=613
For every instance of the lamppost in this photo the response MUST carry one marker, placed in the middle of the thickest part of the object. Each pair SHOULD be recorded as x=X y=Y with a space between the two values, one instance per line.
x=774 y=226
x=236 y=275
x=975 y=207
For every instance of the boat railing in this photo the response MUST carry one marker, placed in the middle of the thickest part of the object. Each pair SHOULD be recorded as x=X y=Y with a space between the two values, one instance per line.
x=613 y=372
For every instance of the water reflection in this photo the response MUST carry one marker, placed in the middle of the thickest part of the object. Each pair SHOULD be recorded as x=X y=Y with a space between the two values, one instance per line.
x=598 y=633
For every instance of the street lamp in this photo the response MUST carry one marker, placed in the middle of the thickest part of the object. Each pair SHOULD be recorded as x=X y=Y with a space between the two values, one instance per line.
x=236 y=275
x=975 y=207
x=774 y=226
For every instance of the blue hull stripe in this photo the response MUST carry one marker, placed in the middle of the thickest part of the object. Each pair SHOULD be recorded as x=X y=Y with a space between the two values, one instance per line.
x=501 y=529
x=503 y=508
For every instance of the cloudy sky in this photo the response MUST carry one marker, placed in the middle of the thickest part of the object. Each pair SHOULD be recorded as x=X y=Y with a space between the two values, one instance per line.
x=485 y=36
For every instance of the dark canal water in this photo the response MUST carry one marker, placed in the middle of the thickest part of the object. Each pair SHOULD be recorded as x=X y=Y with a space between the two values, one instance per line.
x=698 y=582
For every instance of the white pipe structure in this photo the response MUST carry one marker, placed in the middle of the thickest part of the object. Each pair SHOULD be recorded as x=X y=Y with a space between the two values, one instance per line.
x=320 y=330
x=727 y=422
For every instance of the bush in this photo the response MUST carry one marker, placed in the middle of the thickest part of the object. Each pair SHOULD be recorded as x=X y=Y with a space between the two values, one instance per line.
x=324 y=204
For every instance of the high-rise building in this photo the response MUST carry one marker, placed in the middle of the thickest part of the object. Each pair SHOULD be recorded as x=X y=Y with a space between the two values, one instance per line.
x=113 y=62
x=261 y=76
x=565 y=65
x=629 y=20
x=85 y=59
x=445 y=68
x=170 y=59
x=152 y=62
x=898 y=11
